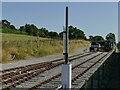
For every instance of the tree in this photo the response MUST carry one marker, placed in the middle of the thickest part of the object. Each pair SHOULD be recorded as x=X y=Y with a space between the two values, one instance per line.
x=7 y=27
x=96 y=38
x=27 y=29
x=53 y=35
x=61 y=35
x=43 y=32
x=31 y=29
x=22 y=28
x=5 y=24
x=91 y=38
x=111 y=37
x=34 y=30
x=75 y=33
x=12 y=27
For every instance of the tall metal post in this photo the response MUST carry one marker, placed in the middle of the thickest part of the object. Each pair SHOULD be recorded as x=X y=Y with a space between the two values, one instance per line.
x=65 y=38
x=67 y=67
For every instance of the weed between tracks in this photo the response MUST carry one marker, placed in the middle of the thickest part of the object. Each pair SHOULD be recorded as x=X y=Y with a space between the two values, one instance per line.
x=19 y=47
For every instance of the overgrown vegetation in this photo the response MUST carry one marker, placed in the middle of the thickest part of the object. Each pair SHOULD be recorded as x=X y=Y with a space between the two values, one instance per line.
x=18 y=47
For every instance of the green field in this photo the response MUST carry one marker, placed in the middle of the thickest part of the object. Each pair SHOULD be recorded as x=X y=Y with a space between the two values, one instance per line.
x=21 y=47
x=12 y=37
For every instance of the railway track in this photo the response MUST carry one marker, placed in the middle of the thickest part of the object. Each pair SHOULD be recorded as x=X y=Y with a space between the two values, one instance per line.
x=12 y=77
x=77 y=71
x=13 y=71
x=27 y=66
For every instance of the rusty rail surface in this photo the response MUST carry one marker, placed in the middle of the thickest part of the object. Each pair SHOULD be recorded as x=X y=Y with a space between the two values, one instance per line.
x=27 y=72
x=74 y=78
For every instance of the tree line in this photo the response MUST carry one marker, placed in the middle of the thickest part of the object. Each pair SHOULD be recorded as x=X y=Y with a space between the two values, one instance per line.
x=31 y=29
x=109 y=37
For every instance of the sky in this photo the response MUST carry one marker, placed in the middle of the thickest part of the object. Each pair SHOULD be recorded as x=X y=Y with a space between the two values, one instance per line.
x=94 y=18
x=59 y=0
x=119 y=22
x=0 y=10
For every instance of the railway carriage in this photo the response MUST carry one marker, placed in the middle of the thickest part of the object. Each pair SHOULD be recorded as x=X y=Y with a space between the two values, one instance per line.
x=104 y=46
x=109 y=45
x=95 y=46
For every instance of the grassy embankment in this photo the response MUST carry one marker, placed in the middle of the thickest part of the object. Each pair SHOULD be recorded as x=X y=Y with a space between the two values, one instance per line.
x=0 y=45
x=18 y=47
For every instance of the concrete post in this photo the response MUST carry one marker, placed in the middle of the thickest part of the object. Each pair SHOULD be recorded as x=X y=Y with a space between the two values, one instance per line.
x=66 y=76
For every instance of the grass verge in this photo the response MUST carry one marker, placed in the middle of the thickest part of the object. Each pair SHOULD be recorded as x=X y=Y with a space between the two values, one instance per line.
x=21 y=47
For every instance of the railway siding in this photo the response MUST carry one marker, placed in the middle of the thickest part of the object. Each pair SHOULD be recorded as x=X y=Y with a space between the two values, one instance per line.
x=75 y=72
x=16 y=79
x=84 y=76
x=48 y=74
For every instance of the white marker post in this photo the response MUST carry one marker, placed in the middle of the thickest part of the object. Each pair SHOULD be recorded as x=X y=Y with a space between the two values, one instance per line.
x=67 y=67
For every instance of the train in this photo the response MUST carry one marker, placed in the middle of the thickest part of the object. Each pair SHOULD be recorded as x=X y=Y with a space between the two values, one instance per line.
x=104 y=46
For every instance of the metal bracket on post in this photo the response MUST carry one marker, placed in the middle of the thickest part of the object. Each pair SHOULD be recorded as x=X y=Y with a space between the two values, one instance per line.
x=65 y=44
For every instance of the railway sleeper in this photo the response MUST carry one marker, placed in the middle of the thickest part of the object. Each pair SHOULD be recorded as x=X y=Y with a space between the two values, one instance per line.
x=76 y=77
x=25 y=69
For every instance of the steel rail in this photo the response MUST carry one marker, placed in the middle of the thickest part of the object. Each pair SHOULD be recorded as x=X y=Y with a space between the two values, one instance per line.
x=59 y=74
x=36 y=72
